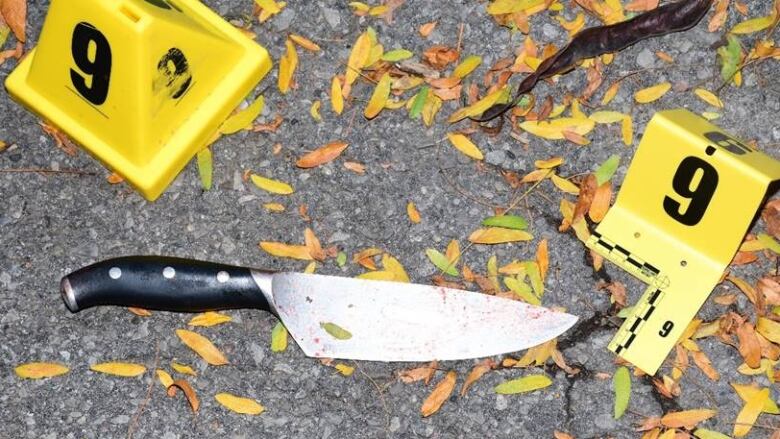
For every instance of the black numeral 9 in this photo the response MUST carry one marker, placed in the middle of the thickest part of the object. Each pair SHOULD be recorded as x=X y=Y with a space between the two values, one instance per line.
x=96 y=65
x=700 y=196
x=666 y=328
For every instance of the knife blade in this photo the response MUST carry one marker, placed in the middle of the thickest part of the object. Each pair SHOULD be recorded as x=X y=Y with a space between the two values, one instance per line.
x=377 y=320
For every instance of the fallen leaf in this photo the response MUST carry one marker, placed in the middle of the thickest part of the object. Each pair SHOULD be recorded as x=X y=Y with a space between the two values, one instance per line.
x=476 y=373
x=748 y=344
x=554 y=129
x=465 y=145
x=357 y=58
x=189 y=392
x=506 y=221
x=703 y=433
x=238 y=404
x=607 y=169
x=747 y=392
x=286 y=250
x=478 y=107
x=441 y=262
x=202 y=346
x=287 y=65
x=183 y=369
x=467 y=66
x=686 y=419
x=621 y=384
x=394 y=266
x=440 y=56
x=413 y=213
x=610 y=93
x=427 y=28
x=564 y=185
x=210 y=318
x=379 y=97
x=397 y=55
x=627 y=129
x=708 y=97
x=336 y=331
x=651 y=94
x=344 y=369
x=205 y=167
x=322 y=155
x=753 y=25
x=14 y=13
x=244 y=118
x=305 y=43
x=336 y=98
x=498 y=235
x=140 y=312
x=37 y=371
x=440 y=393
x=523 y=385
x=749 y=413
x=165 y=378
x=272 y=186
x=119 y=369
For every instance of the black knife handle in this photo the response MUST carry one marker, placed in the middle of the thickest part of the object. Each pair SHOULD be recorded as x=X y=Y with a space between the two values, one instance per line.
x=165 y=283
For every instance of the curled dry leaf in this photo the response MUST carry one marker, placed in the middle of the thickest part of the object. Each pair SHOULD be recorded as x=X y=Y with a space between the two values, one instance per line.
x=440 y=393
x=440 y=56
x=36 y=371
x=202 y=346
x=189 y=392
x=238 y=404
x=322 y=155
x=119 y=369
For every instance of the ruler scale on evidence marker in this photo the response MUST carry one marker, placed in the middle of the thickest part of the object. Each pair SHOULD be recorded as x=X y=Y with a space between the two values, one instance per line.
x=685 y=205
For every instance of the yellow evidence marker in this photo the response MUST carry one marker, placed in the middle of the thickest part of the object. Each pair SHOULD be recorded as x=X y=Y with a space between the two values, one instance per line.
x=687 y=201
x=143 y=85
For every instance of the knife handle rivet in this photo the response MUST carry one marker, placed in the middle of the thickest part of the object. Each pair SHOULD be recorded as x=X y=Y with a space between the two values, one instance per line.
x=115 y=273
x=169 y=272
x=223 y=277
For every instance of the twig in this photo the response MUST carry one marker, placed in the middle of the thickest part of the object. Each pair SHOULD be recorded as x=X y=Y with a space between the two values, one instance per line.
x=46 y=171
x=381 y=396
x=134 y=423
x=530 y=189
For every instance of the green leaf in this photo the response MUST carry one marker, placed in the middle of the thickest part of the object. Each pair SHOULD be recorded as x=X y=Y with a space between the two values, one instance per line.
x=336 y=331
x=523 y=385
x=621 y=383
x=243 y=119
x=205 y=167
x=441 y=262
x=535 y=276
x=729 y=58
x=607 y=169
x=625 y=312
x=506 y=221
x=522 y=290
x=279 y=338
x=341 y=259
x=703 y=433
x=418 y=103
x=769 y=242
x=397 y=55
x=4 y=32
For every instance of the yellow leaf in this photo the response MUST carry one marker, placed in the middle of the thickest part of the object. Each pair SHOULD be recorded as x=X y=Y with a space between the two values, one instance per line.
x=202 y=346
x=653 y=93
x=610 y=93
x=377 y=275
x=467 y=66
x=210 y=318
x=119 y=369
x=269 y=6
x=501 y=7
x=310 y=267
x=686 y=419
x=549 y=163
x=322 y=155
x=627 y=129
x=336 y=99
x=747 y=391
x=314 y=111
x=392 y=265
x=274 y=207
x=344 y=369
x=245 y=406
x=749 y=413
x=282 y=250
x=414 y=214
x=165 y=378
x=770 y=329
x=183 y=368
x=40 y=370
x=279 y=338
x=753 y=25
x=272 y=186
x=565 y=185
x=359 y=6
x=478 y=107
x=708 y=97
x=464 y=145
x=287 y=65
x=440 y=393
x=305 y=43
x=607 y=116
x=378 y=98
x=243 y=119
x=357 y=58
x=554 y=129
x=453 y=252
x=498 y=235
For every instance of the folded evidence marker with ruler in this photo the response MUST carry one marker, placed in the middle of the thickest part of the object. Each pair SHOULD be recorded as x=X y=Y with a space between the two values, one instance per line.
x=688 y=198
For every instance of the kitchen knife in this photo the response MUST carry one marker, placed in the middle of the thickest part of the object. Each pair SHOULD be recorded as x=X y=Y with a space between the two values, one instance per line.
x=373 y=320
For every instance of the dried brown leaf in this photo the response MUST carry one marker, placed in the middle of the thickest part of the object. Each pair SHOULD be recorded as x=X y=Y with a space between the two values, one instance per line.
x=322 y=155
x=189 y=392
x=476 y=373
x=439 y=395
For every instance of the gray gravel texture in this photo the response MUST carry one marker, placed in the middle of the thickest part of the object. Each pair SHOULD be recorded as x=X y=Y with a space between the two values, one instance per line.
x=52 y=224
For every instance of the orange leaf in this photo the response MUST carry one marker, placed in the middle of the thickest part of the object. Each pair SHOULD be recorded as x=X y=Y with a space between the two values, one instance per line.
x=202 y=346
x=440 y=393
x=286 y=251
x=140 y=312
x=476 y=373
x=305 y=43
x=543 y=258
x=357 y=58
x=600 y=205
x=416 y=374
x=189 y=392
x=414 y=214
x=687 y=419
x=313 y=245
x=748 y=345
x=119 y=369
x=498 y=235
x=14 y=12
x=703 y=363
x=440 y=56
x=322 y=155
x=427 y=28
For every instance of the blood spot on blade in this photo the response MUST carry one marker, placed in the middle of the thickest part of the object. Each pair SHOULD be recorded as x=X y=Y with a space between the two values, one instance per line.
x=317 y=340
